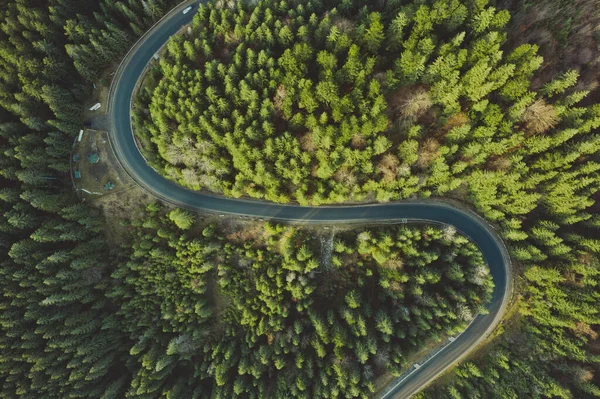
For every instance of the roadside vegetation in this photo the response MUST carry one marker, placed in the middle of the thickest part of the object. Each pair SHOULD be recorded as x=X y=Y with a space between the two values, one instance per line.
x=296 y=101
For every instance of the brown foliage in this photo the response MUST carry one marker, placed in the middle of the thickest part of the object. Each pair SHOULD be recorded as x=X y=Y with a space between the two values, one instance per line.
x=358 y=141
x=250 y=234
x=410 y=102
x=456 y=120
x=279 y=97
x=389 y=166
x=344 y=24
x=393 y=264
x=396 y=286
x=428 y=152
x=307 y=143
x=499 y=163
x=345 y=176
x=582 y=328
x=540 y=117
x=584 y=375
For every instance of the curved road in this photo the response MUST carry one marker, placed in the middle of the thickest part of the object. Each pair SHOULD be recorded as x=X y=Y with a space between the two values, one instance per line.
x=121 y=137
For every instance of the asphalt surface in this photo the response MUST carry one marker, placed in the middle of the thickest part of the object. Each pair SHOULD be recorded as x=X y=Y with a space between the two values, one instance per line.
x=468 y=223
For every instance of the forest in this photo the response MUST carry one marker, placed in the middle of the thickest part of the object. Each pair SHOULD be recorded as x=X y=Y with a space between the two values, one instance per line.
x=311 y=102
x=285 y=316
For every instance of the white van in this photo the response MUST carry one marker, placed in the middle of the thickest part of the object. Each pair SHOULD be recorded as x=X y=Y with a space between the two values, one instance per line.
x=187 y=10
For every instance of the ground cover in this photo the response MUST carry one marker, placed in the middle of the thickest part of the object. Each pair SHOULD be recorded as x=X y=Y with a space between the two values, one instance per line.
x=94 y=168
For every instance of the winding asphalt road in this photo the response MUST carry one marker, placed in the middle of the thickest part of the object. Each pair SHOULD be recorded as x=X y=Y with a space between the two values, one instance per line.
x=121 y=137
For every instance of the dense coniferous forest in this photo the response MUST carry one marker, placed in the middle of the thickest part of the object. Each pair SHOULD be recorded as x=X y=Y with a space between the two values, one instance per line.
x=324 y=105
x=285 y=316
x=58 y=334
x=315 y=102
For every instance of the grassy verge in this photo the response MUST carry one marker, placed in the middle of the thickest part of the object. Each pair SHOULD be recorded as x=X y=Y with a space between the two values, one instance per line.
x=96 y=177
x=386 y=379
